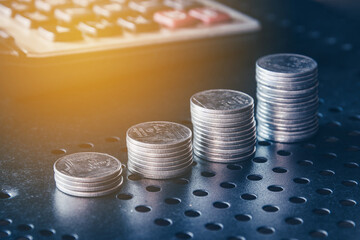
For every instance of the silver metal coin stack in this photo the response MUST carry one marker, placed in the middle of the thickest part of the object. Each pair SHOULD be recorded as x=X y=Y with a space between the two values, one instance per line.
x=88 y=174
x=159 y=150
x=287 y=94
x=224 y=126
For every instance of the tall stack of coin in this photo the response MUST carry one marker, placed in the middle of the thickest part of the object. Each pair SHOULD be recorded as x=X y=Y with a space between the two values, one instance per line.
x=159 y=150
x=88 y=174
x=224 y=125
x=287 y=93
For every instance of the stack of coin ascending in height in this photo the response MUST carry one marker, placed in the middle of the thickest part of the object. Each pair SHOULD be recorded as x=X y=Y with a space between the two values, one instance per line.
x=287 y=94
x=224 y=125
x=88 y=174
x=159 y=150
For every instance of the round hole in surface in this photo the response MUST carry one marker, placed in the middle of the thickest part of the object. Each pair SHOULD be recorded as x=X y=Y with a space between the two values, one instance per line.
x=248 y=196
x=266 y=230
x=318 y=233
x=275 y=188
x=86 y=145
x=68 y=237
x=235 y=238
x=347 y=202
x=309 y=146
x=172 y=201
x=336 y=109
x=355 y=117
x=181 y=181
x=297 y=200
x=351 y=165
x=153 y=188
x=243 y=217
x=324 y=191
x=301 y=180
x=294 y=221
x=214 y=226
x=354 y=133
x=270 y=208
x=208 y=174
x=254 y=177
x=200 y=193
x=283 y=153
x=112 y=139
x=4 y=195
x=321 y=211
x=192 y=213
x=279 y=170
x=5 y=222
x=25 y=227
x=221 y=205
x=331 y=139
x=349 y=183
x=24 y=238
x=353 y=148
x=327 y=172
x=330 y=155
x=334 y=124
x=227 y=185
x=124 y=196
x=47 y=232
x=264 y=143
x=58 y=151
x=142 y=208
x=184 y=235
x=163 y=222
x=346 y=224
x=4 y=234
x=234 y=167
x=134 y=177
x=260 y=160
x=305 y=163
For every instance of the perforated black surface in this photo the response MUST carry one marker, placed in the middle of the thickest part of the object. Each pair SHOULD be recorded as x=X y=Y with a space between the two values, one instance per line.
x=288 y=191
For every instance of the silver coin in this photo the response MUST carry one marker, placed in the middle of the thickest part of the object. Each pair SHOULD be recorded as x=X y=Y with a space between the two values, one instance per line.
x=150 y=167
x=159 y=174
x=158 y=134
x=158 y=164
x=86 y=184
x=288 y=128
x=220 y=151
x=161 y=159
x=287 y=115
x=286 y=133
x=284 y=122
x=288 y=87
x=89 y=194
x=169 y=155
x=169 y=150
x=224 y=145
x=87 y=167
x=284 y=79
x=221 y=101
x=224 y=155
x=222 y=120
x=87 y=188
x=197 y=121
x=226 y=138
x=286 y=139
x=285 y=99
x=287 y=123
x=286 y=64
x=225 y=160
x=240 y=115
x=286 y=93
x=266 y=102
x=233 y=130
x=289 y=109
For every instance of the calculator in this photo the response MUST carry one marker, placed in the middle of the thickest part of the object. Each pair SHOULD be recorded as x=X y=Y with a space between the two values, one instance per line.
x=51 y=28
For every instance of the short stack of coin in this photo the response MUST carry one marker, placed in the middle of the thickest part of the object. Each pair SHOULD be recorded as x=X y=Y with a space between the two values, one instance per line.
x=159 y=150
x=224 y=125
x=287 y=94
x=88 y=174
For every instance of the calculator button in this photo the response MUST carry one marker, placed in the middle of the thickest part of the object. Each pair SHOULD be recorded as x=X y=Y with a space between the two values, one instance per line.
x=10 y=9
x=60 y=33
x=50 y=5
x=138 y=24
x=32 y=19
x=112 y=10
x=146 y=7
x=73 y=15
x=103 y=28
x=209 y=15
x=174 y=19
x=182 y=4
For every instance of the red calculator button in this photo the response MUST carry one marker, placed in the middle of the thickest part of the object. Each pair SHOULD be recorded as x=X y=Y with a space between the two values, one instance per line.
x=209 y=15
x=174 y=19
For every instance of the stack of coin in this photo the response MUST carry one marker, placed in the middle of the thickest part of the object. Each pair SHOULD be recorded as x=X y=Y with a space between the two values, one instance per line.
x=224 y=125
x=287 y=93
x=88 y=174
x=159 y=150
